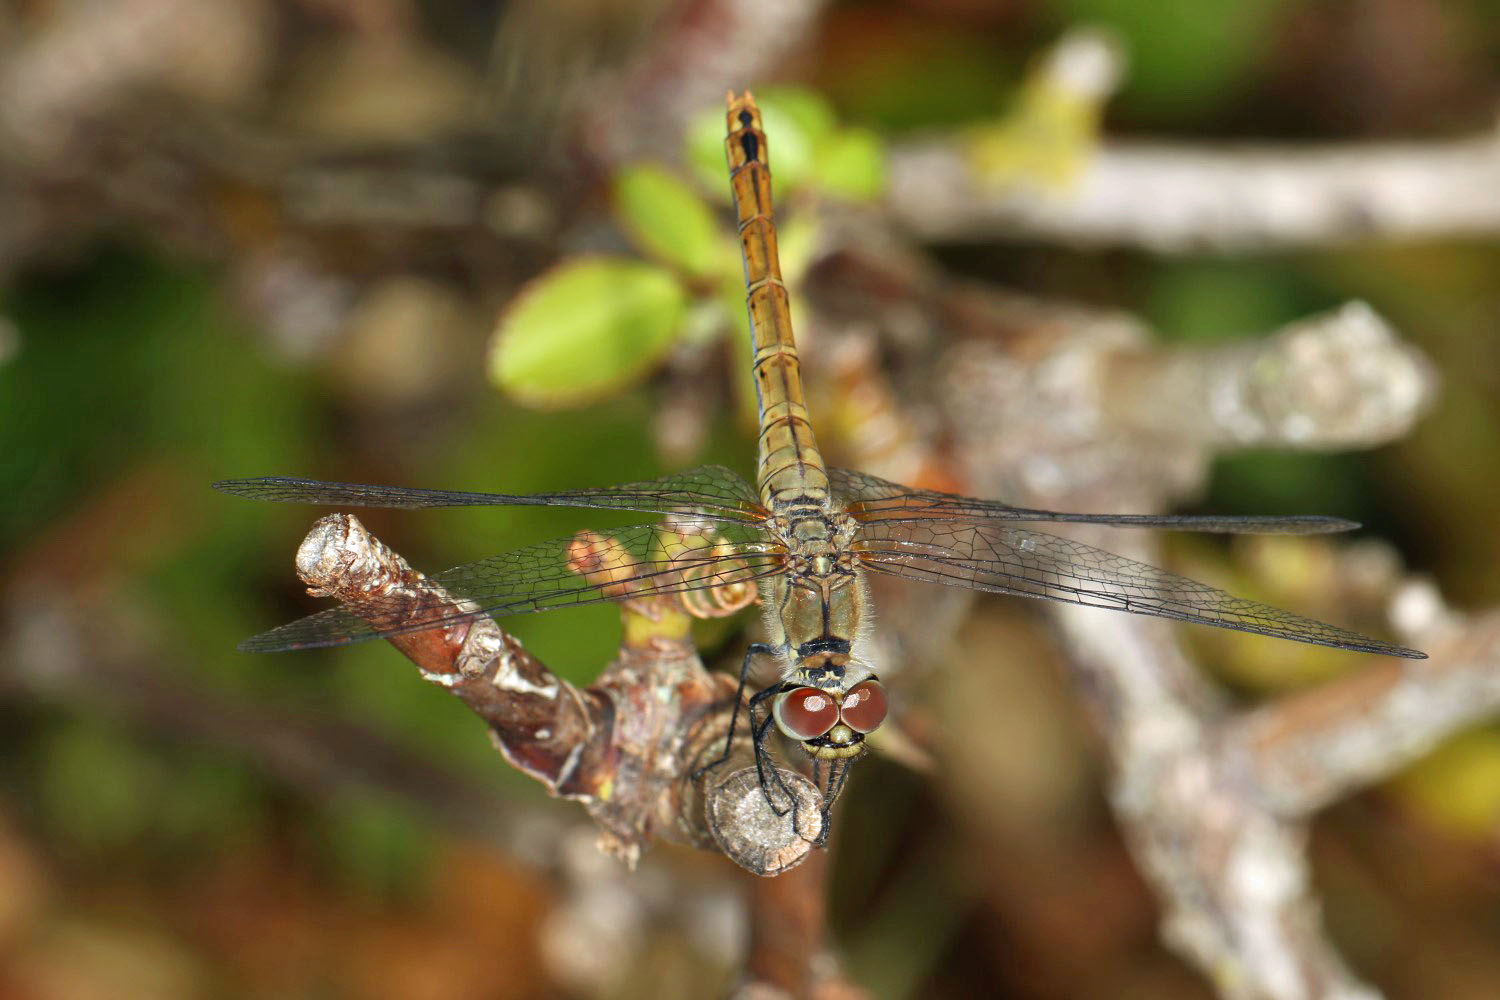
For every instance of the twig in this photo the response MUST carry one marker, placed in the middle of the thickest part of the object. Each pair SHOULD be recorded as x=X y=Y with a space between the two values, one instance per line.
x=788 y=947
x=625 y=746
x=1059 y=406
x=1177 y=198
x=1304 y=751
x=1212 y=804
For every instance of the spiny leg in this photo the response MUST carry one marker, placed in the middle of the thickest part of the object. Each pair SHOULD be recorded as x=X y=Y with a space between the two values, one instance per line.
x=759 y=731
x=838 y=776
x=751 y=652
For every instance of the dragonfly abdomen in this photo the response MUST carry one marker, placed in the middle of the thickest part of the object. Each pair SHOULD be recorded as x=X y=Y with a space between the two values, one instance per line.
x=789 y=460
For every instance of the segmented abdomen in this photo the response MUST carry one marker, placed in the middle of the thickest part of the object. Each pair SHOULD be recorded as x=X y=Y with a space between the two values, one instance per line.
x=789 y=461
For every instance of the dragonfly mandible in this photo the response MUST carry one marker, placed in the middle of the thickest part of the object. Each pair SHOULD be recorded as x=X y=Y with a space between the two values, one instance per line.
x=806 y=537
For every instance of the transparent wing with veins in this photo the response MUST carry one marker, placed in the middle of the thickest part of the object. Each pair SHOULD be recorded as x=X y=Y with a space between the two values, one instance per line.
x=870 y=498
x=586 y=568
x=1003 y=558
x=711 y=491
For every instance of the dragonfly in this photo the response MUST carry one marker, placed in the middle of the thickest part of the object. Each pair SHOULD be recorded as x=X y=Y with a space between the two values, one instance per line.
x=805 y=538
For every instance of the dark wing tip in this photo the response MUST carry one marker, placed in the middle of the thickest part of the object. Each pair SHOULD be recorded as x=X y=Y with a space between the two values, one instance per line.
x=1378 y=646
x=270 y=642
x=288 y=638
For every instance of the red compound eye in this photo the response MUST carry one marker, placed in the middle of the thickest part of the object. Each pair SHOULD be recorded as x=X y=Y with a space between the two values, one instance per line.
x=864 y=707
x=805 y=713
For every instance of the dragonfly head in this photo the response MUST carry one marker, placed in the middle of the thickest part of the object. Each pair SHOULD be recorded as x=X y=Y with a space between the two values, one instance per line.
x=830 y=724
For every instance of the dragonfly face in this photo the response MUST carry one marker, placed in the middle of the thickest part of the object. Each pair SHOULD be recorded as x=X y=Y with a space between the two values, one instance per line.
x=831 y=723
x=805 y=536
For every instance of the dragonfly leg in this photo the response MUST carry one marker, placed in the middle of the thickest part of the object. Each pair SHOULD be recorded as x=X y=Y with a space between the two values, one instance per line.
x=838 y=775
x=755 y=649
x=759 y=731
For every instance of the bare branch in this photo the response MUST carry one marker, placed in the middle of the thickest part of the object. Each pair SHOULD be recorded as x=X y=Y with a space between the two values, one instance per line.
x=1064 y=407
x=1231 y=874
x=1184 y=198
x=788 y=951
x=1338 y=380
x=626 y=746
x=1304 y=751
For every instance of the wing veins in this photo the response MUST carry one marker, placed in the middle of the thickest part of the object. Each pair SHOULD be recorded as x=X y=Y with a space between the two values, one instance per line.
x=497 y=586
x=871 y=499
x=1001 y=559
x=712 y=492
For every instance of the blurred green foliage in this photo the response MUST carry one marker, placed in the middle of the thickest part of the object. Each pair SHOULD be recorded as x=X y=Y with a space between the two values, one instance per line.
x=1186 y=58
x=807 y=148
x=590 y=326
x=123 y=360
x=586 y=329
x=667 y=219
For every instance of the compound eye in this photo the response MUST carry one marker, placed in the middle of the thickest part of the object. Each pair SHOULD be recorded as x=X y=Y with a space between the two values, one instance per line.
x=805 y=713
x=863 y=708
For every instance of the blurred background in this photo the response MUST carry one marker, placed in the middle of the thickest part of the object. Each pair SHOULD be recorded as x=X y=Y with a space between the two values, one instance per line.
x=484 y=247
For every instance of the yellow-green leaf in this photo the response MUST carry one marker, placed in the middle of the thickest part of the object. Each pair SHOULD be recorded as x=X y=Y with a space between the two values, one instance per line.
x=807 y=111
x=584 y=329
x=796 y=122
x=798 y=240
x=668 y=220
x=705 y=152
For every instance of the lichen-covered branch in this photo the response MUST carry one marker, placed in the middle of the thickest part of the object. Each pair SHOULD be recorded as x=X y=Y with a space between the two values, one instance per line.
x=1214 y=804
x=1060 y=406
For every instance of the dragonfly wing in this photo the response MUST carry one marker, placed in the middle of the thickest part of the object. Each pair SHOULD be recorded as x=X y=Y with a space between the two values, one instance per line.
x=870 y=498
x=585 y=568
x=1004 y=558
x=711 y=491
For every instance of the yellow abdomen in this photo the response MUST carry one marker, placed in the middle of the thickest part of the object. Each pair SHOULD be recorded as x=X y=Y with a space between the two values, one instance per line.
x=790 y=464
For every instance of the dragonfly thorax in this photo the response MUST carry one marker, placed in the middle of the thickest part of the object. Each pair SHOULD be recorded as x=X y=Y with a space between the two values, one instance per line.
x=817 y=610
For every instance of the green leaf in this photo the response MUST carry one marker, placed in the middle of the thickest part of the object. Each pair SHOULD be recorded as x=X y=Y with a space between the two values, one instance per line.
x=668 y=220
x=809 y=112
x=705 y=152
x=797 y=124
x=851 y=164
x=585 y=329
x=798 y=241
